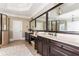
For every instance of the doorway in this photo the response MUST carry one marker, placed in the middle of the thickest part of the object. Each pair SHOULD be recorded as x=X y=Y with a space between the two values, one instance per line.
x=17 y=30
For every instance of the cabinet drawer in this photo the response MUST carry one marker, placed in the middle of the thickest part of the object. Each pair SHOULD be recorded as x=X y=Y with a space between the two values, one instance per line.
x=68 y=47
x=55 y=50
x=55 y=43
x=70 y=50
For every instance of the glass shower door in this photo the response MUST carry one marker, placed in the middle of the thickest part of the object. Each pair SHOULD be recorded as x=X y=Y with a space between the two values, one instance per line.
x=0 y=29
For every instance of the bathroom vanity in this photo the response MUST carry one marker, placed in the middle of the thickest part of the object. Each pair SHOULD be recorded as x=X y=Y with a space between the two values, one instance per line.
x=51 y=46
x=60 y=20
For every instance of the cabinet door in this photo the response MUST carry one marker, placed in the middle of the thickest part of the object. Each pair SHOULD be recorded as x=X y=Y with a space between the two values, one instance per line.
x=25 y=36
x=36 y=43
x=55 y=50
x=39 y=49
x=45 y=47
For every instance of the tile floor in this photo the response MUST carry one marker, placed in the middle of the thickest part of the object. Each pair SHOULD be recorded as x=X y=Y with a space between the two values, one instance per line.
x=18 y=48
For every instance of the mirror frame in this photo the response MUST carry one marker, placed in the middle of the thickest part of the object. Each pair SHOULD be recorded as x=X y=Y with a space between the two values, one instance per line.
x=45 y=20
x=46 y=12
x=64 y=32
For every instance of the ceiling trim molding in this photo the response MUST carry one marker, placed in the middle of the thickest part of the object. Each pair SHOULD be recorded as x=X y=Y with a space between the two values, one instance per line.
x=15 y=15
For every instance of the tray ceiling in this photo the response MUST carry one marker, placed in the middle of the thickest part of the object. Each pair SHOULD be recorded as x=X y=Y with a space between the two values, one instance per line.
x=21 y=9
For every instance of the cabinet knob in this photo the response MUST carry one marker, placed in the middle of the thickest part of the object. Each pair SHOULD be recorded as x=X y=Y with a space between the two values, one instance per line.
x=61 y=46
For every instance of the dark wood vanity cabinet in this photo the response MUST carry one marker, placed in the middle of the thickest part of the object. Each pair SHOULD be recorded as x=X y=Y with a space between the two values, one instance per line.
x=48 y=47
x=43 y=46
x=54 y=50
x=39 y=45
x=36 y=43
x=27 y=37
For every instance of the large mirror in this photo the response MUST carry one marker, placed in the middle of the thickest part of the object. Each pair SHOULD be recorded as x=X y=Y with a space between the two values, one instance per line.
x=68 y=20
x=64 y=18
x=68 y=25
x=41 y=23
x=52 y=17
x=33 y=24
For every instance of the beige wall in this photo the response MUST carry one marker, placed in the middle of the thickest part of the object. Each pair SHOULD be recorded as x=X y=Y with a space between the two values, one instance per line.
x=25 y=25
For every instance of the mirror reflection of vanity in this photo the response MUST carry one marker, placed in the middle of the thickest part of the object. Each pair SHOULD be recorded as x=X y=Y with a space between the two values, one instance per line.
x=52 y=19
x=61 y=19
x=64 y=25
x=41 y=22
x=69 y=22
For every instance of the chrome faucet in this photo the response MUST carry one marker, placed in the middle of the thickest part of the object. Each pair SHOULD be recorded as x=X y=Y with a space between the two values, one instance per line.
x=53 y=34
x=50 y=33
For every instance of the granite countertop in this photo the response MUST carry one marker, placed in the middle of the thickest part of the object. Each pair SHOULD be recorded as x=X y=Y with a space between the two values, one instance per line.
x=66 y=40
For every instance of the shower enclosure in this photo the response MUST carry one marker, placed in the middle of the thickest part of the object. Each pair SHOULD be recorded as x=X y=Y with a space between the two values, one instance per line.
x=0 y=28
x=4 y=28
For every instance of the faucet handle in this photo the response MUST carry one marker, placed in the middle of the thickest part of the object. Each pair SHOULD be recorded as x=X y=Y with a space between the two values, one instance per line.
x=50 y=33
x=55 y=34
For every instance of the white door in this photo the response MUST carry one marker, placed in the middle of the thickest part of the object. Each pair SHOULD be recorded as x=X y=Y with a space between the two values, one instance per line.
x=17 y=29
